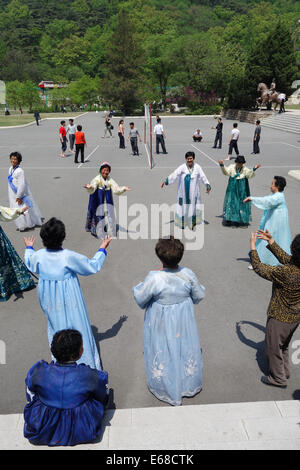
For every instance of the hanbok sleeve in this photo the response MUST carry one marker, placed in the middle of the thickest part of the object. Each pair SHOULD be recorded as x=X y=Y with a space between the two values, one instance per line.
x=94 y=185
x=30 y=381
x=21 y=186
x=7 y=214
x=225 y=170
x=275 y=274
x=173 y=176
x=145 y=291
x=116 y=189
x=100 y=389
x=84 y=266
x=32 y=260
x=266 y=202
x=248 y=173
x=203 y=177
x=197 y=290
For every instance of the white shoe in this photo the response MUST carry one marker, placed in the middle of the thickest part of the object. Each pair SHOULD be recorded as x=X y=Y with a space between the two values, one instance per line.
x=250 y=267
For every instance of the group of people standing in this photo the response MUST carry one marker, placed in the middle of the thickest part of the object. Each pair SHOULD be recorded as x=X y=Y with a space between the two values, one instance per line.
x=67 y=397
x=76 y=137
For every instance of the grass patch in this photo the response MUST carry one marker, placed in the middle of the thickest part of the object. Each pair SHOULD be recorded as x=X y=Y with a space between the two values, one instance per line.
x=21 y=120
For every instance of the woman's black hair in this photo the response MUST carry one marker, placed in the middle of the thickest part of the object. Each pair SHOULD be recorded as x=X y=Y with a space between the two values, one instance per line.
x=169 y=251
x=66 y=345
x=190 y=154
x=295 y=250
x=280 y=183
x=17 y=155
x=121 y=120
x=53 y=234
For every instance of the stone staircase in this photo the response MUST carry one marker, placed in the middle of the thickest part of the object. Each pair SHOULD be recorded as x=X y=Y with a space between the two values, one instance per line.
x=288 y=121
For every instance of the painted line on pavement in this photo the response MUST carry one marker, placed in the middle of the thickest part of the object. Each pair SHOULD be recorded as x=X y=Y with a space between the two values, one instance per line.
x=290 y=145
x=87 y=159
x=205 y=154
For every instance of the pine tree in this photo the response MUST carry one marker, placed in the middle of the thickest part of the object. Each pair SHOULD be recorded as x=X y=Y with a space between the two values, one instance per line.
x=122 y=80
x=282 y=58
x=272 y=58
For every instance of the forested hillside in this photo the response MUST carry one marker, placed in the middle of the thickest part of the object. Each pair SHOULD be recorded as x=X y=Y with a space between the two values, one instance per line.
x=201 y=45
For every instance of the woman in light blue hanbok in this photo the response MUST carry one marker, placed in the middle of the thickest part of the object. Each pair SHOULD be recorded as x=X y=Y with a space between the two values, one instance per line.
x=275 y=219
x=172 y=348
x=59 y=290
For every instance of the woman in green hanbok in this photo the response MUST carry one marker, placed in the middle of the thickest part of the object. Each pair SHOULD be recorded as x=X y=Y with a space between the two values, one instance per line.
x=14 y=276
x=235 y=211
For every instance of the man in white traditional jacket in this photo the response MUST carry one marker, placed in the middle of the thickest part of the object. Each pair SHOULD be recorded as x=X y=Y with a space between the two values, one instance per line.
x=189 y=176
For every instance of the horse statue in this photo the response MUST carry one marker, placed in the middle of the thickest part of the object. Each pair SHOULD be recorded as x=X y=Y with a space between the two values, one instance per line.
x=267 y=97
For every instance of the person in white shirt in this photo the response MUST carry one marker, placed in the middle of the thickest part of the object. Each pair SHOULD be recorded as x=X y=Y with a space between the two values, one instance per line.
x=71 y=129
x=235 y=134
x=160 y=136
x=197 y=136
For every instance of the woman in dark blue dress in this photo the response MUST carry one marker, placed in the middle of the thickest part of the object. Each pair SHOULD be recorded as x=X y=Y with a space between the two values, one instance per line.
x=65 y=401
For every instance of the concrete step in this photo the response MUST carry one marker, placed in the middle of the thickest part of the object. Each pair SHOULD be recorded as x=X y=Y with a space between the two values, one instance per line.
x=259 y=425
x=288 y=122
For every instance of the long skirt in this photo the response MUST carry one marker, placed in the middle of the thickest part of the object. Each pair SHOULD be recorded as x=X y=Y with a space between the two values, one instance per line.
x=172 y=352
x=235 y=210
x=101 y=222
x=14 y=276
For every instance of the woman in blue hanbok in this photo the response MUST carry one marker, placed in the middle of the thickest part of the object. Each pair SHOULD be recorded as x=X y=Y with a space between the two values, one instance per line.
x=65 y=401
x=172 y=348
x=14 y=276
x=59 y=290
x=275 y=219
x=101 y=190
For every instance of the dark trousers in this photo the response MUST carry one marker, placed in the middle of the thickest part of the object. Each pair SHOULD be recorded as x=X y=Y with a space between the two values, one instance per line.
x=134 y=145
x=79 y=148
x=256 y=148
x=233 y=145
x=278 y=338
x=64 y=144
x=72 y=140
x=160 y=140
x=37 y=121
x=122 y=140
x=282 y=108
x=218 y=139
x=197 y=139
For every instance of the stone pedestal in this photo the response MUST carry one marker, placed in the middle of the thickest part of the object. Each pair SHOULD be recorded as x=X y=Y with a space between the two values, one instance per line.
x=243 y=115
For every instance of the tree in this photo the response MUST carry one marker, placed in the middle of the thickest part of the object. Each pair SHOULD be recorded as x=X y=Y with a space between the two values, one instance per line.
x=84 y=91
x=14 y=94
x=272 y=58
x=31 y=96
x=123 y=71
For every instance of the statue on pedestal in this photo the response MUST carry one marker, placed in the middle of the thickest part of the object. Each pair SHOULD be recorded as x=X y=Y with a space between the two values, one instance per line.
x=268 y=95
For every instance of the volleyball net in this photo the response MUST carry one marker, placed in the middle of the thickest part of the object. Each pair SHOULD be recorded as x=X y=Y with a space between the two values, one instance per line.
x=148 y=133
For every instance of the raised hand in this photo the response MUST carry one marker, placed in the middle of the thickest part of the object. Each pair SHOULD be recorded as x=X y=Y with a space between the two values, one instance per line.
x=105 y=242
x=29 y=241
x=265 y=235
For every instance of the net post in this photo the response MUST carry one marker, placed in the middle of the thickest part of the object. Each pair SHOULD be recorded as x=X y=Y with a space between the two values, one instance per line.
x=150 y=123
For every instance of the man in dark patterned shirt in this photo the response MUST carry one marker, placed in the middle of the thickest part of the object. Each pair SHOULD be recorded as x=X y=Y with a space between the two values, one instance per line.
x=284 y=307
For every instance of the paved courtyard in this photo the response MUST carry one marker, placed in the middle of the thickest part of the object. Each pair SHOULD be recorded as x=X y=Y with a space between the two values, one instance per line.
x=231 y=319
